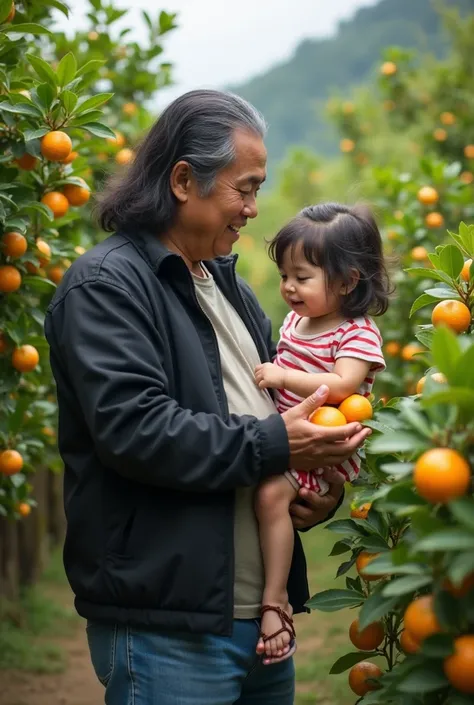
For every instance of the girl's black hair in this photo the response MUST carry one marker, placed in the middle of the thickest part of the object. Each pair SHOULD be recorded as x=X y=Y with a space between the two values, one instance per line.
x=340 y=239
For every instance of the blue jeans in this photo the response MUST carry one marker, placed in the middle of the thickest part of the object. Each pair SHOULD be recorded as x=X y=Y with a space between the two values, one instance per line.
x=140 y=667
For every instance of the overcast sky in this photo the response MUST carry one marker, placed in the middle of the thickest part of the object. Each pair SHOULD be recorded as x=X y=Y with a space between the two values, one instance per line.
x=219 y=42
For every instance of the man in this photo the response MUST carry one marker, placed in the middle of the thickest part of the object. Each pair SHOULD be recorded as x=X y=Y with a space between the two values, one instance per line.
x=163 y=432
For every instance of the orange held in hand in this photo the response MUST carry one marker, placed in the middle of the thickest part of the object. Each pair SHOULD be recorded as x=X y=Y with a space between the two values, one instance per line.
x=11 y=462
x=441 y=474
x=356 y=408
x=369 y=638
x=459 y=668
x=328 y=416
x=358 y=677
x=56 y=146
x=453 y=314
x=420 y=619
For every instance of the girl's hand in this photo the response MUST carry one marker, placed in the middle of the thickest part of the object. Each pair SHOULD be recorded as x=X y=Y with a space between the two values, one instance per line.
x=269 y=375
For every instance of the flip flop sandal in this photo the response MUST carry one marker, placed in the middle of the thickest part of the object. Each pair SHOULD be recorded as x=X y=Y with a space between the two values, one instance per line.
x=286 y=624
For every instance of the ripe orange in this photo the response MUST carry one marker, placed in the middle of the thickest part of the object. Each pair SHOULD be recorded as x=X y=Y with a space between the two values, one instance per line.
x=57 y=202
x=466 y=270
x=447 y=118
x=11 y=462
x=77 y=195
x=362 y=561
x=118 y=140
x=24 y=509
x=453 y=314
x=55 y=274
x=408 y=643
x=356 y=408
x=467 y=177
x=427 y=195
x=361 y=512
x=347 y=145
x=11 y=14
x=43 y=252
x=93 y=36
x=369 y=638
x=434 y=220
x=410 y=350
x=25 y=358
x=437 y=376
x=459 y=667
x=125 y=156
x=441 y=474
x=388 y=68
x=328 y=416
x=27 y=162
x=358 y=675
x=130 y=109
x=420 y=620
x=392 y=348
x=469 y=151
x=461 y=590
x=440 y=134
x=14 y=244
x=3 y=344
x=56 y=146
x=70 y=158
x=10 y=279
x=419 y=254
x=48 y=432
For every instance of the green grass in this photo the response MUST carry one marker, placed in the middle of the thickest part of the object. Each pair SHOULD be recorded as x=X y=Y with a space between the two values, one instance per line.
x=29 y=629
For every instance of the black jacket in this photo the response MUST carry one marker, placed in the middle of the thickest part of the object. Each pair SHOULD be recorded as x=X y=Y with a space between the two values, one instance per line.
x=152 y=456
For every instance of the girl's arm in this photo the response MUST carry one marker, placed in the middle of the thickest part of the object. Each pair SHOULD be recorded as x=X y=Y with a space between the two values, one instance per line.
x=346 y=378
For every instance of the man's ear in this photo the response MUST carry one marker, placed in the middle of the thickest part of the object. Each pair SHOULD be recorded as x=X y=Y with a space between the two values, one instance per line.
x=180 y=181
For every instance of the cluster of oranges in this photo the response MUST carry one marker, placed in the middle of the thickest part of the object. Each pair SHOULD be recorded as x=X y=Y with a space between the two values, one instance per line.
x=354 y=408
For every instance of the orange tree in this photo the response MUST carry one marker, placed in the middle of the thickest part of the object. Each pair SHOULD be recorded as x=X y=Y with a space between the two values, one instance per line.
x=56 y=140
x=411 y=532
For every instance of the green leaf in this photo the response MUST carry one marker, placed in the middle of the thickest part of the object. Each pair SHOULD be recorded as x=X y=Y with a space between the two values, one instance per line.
x=398 y=470
x=345 y=662
x=374 y=608
x=21 y=109
x=39 y=284
x=423 y=679
x=66 y=69
x=68 y=100
x=438 y=646
x=92 y=102
x=463 y=510
x=408 y=584
x=30 y=135
x=446 y=351
x=90 y=66
x=460 y=567
x=43 y=69
x=396 y=442
x=26 y=28
x=335 y=600
x=424 y=273
x=451 y=260
x=447 y=540
x=441 y=293
x=466 y=235
x=421 y=302
x=5 y=7
x=410 y=412
x=340 y=547
x=98 y=129
x=463 y=398
x=348 y=527
x=46 y=94
x=464 y=374
x=58 y=5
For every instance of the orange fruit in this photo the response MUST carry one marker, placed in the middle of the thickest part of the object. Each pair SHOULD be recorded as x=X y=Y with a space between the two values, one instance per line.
x=10 y=279
x=441 y=474
x=453 y=314
x=124 y=156
x=392 y=235
x=461 y=590
x=408 y=643
x=419 y=254
x=362 y=561
x=356 y=408
x=11 y=462
x=118 y=140
x=70 y=158
x=434 y=220
x=11 y=14
x=466 y=270
x=358 y=675
x=25 y=358
x=388 y=68
x=440 y=134
x=93 y=36
x=130 y=109
x=347 y=145
x=410 y=350
x=44 y=252
x=57 y=202
x=459 y=667
x=369 y=638
x=437 y=376
x=48 y=432
x=27 y=162
x=3 y=344
x=14 y=244
x=327 y=416
x=427 y=195
x=361 y=512
x=77 y=195
x=467 y=177
x=56 y=146
x=469 y=151
x=24 y=509
x=55 y=274
x=447 y=118
x=420 y=620
x=392 y=348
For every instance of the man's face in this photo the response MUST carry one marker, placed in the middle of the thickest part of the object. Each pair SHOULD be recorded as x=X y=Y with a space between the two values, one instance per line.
x=213 y=222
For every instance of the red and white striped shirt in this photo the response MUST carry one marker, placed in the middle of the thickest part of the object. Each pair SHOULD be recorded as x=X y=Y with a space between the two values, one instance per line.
x=357 y=337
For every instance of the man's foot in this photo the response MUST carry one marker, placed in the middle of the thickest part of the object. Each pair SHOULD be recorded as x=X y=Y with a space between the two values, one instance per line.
x=277 y=631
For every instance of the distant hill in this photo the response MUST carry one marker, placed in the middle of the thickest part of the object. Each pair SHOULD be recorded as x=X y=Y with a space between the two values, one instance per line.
x=292 y=95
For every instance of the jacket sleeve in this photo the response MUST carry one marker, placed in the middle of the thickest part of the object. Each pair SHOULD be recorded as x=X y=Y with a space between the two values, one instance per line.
x=108 y=348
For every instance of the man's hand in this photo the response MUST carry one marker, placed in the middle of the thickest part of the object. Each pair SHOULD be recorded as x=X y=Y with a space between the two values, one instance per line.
x=269 y=375
x=310 y=508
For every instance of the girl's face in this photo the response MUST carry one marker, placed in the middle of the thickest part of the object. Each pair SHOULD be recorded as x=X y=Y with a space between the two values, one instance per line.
x=304 y=288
